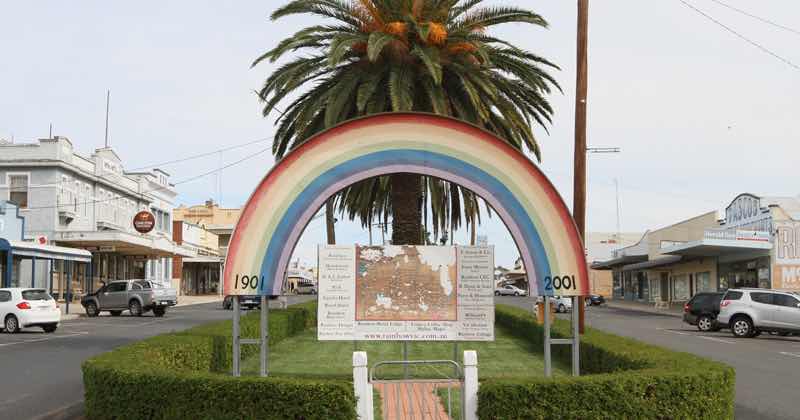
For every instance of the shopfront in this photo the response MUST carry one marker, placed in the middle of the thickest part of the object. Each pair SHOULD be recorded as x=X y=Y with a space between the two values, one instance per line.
x=753 y=273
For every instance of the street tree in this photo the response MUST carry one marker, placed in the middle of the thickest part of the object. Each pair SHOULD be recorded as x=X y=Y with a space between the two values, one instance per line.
x=373 y=56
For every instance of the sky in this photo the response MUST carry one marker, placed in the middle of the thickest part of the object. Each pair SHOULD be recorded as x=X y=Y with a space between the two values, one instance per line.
x=699 y=114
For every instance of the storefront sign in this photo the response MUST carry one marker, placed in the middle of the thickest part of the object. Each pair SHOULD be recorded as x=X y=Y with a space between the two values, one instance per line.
x=786 y=271
x=144 y=221
x=406 y=293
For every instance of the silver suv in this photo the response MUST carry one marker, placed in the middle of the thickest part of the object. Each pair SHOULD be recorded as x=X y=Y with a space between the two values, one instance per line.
x=749 y=312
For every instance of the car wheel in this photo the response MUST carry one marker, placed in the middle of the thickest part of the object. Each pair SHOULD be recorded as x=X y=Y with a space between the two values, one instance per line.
x=91 y=310
x=497 y=293
x=516 y=293
x=562 y=308
x=705 y=323
x=50 y=328
x=115 y=313
x=11 y=324
x=742 y=327
x=135 y=307
x=159 y=312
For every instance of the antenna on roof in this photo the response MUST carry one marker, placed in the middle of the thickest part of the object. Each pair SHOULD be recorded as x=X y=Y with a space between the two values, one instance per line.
x=108 y=103
x=51 y=131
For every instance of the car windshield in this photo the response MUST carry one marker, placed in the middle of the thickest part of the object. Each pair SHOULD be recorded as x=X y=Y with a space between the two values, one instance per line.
x=36 y=294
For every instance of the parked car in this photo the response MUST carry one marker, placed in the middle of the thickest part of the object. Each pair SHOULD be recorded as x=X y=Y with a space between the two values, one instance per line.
x=702 y=311
x=306 y=289
x=595 y=300
x=561 y=303
x=136 y=296
x=509 y=290
x=749 y=312
x=245 y=302
x=25 y=308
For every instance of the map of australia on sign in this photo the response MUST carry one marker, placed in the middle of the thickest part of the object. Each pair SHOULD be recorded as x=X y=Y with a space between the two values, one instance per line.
x=406 y=283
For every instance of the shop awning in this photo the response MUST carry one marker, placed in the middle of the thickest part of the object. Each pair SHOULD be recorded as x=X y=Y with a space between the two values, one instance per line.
x=124 y=243
x=657 y=262
x=718 y=248
x=48 y=252
x=616 y=262
x=203 y=259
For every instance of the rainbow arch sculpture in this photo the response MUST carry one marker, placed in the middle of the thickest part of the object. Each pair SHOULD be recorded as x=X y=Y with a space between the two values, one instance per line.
x=298 y=185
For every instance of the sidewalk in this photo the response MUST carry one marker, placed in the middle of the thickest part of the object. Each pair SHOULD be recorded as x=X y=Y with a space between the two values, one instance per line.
x=76 y=310
x=674 y=309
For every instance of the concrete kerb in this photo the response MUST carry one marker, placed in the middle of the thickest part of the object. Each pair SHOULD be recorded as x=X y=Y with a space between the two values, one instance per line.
x=182 y=301
x=644 y=308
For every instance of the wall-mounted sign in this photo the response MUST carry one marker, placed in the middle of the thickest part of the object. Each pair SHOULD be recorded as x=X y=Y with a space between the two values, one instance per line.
x=430 y=293
x=144 y=221
x=41 y=240
x=786 y=271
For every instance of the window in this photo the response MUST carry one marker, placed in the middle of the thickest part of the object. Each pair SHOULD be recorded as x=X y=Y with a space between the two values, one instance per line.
x=761 y=297
x=5 y=296
x=36 y=294
x=785 y=300
x=733 y=296
x=703 y=282
x=18 y=190
x=117 y=287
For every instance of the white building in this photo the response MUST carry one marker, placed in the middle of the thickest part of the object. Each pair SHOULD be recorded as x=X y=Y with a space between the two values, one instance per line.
x=89 y=202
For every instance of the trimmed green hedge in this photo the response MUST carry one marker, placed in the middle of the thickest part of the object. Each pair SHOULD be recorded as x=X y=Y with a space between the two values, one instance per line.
x=625 y=379
x=186 y=375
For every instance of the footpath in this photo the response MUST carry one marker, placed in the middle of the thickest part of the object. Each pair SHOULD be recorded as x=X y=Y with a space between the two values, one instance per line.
x=649 y=308
x=76 y=310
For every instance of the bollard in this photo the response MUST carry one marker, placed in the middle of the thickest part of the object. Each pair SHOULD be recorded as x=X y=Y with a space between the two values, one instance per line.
x=361 y=385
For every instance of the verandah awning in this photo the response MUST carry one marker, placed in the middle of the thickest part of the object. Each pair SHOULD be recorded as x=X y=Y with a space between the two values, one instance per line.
x=48 y=252
x=657 y=262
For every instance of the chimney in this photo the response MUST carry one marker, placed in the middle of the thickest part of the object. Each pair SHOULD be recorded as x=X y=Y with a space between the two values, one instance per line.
x=210 y=203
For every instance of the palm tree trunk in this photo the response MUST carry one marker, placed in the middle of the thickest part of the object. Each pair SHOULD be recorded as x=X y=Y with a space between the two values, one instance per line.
x=329 y=221
x=406 y=217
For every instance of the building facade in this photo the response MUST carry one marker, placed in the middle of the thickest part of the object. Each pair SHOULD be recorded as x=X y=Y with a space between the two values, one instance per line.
x=88 y=202
x=199 y=275
x=754 y=245
x=217 y=220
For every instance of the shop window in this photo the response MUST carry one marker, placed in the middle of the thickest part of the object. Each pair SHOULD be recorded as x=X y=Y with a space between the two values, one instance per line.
x=680 y=287
x=18 y=190
x=703 y=282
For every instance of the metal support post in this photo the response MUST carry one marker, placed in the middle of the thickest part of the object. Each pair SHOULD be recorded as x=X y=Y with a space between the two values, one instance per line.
x=33 y=271
x=548 y=369
x=405 y=359
x=68 y=270
x=576 y=335
x=455 y=357
x=236 y=338
x=264 y=335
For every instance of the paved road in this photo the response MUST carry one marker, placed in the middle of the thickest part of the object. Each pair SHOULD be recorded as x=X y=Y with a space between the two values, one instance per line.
x=767 y=367
x=41 y=373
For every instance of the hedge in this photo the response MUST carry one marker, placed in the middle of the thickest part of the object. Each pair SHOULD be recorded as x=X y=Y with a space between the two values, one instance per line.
x=186 y=375
x=624 y=379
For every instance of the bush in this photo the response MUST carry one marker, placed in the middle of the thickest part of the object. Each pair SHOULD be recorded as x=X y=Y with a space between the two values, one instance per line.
x=624 y=379
x=186 y=375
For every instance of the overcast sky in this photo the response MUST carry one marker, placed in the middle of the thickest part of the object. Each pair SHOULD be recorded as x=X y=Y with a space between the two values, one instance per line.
x=700 y=115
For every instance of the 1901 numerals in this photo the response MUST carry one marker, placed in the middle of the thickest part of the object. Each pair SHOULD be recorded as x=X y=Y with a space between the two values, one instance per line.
x=560 y=283
x=245 y=282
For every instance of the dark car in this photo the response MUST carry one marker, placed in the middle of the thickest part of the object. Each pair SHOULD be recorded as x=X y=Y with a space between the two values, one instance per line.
x=595 y=300
x=702 y=310
x=246 y=301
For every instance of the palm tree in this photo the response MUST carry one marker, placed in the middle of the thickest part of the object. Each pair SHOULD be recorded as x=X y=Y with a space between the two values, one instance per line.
x=373 y=56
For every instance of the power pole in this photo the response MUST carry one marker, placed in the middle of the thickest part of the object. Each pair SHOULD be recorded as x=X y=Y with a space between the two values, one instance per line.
x=330 y=220
x=581 y=88
x=108 y=104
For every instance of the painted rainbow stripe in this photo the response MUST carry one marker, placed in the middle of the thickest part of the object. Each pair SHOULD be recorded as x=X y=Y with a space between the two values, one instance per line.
x=297 y=186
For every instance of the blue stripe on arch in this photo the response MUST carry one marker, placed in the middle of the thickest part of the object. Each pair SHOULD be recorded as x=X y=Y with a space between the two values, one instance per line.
x=531 y=237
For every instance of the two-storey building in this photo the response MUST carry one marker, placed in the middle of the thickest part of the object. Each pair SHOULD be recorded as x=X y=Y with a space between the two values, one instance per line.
x=88 y=202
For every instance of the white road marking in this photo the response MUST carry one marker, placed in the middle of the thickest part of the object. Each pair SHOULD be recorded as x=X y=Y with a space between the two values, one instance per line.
x=786 y=353
x=715 y=339
x=44 y=339
x=673 y=332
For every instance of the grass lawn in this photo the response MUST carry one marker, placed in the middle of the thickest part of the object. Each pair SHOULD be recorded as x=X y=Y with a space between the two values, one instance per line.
x=304 y=356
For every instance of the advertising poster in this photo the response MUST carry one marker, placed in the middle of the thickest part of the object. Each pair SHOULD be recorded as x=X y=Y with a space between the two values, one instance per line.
x=406 y=293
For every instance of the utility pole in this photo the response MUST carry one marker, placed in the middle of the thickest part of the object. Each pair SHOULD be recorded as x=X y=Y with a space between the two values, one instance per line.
x=581 y=88
x=108 y=103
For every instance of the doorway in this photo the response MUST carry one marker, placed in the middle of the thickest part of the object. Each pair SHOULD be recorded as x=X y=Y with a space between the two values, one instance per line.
x=664 y=286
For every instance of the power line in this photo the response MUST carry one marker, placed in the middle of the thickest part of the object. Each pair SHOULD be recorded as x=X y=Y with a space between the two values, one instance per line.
x=184 y=181
x=201 y=155
x=742 y=37
x=765 y=20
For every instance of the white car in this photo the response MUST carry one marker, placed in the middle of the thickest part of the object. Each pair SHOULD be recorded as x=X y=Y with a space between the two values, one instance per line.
x=24 y=308
x=561 y=303
x=509 y=290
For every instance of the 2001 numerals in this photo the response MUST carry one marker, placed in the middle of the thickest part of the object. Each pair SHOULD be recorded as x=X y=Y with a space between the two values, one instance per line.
x=248 y=282
x=560 y=282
